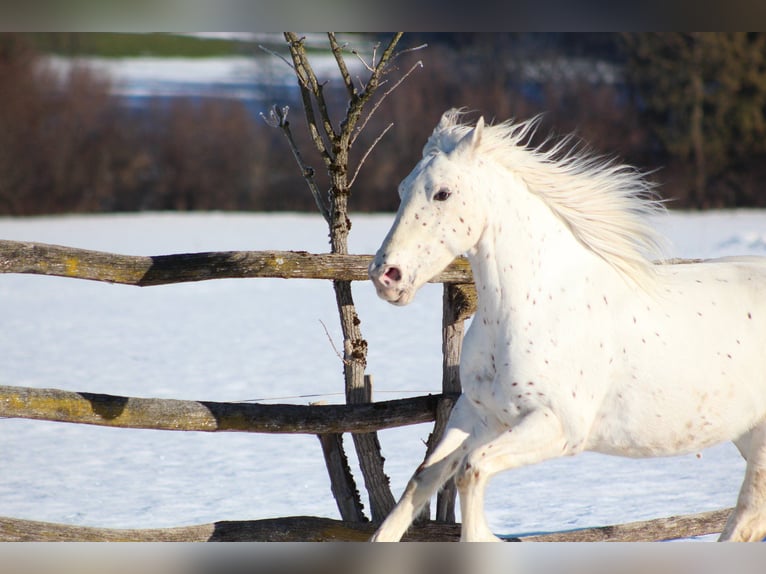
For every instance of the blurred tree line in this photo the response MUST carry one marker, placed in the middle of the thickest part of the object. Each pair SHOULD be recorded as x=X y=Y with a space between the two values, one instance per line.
x=692 y=105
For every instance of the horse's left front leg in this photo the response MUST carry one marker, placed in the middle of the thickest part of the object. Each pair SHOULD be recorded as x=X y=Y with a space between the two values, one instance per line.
x=747 y=522
x=460 y=437
x=537 y=437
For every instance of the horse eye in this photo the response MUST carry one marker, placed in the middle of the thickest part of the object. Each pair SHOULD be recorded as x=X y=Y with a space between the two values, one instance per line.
x=442 y=195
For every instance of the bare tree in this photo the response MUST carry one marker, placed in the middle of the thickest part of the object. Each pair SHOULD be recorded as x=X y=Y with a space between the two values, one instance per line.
x=333 y=141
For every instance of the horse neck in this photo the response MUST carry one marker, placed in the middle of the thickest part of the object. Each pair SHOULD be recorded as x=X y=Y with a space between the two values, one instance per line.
x=527 y=253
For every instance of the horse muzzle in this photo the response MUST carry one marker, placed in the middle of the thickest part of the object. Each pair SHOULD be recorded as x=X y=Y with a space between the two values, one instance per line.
x=389 y=283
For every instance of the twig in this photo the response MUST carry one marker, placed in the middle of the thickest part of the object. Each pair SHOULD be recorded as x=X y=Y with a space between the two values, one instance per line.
x=332 y=343
x=278 y=55
x=369 y=149
x=370 y=67
x=408 y=50
x=418 y=64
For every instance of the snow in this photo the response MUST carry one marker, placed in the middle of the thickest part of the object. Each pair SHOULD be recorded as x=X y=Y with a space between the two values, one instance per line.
x=234 y=340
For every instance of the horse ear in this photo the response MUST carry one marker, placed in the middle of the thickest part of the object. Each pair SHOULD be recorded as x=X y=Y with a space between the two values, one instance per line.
x=472 y=139
x=476 y=133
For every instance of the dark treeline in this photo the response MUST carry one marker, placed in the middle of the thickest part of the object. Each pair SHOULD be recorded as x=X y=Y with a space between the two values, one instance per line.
x=691 y=106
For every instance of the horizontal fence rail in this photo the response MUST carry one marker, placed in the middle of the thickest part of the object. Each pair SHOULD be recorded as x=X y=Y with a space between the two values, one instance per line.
x=45 y=259
x=206 y=416
x=318 y=529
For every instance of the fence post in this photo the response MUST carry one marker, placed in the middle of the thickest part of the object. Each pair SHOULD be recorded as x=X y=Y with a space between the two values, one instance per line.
x=459 y=302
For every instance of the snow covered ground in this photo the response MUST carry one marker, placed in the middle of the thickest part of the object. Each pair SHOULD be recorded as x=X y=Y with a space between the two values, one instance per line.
x=231 y=340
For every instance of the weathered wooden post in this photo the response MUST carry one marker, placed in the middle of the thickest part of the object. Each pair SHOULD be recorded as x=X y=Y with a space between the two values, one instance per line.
x=459 y=303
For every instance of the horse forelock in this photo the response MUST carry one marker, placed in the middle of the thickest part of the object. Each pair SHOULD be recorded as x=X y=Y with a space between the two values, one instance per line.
x=605 y=204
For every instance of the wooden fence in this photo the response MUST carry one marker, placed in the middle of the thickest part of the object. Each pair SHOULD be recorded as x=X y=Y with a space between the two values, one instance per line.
x=323 y=420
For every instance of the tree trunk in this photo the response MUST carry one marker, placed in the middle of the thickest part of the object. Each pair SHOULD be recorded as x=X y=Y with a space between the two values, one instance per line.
x=358 y=387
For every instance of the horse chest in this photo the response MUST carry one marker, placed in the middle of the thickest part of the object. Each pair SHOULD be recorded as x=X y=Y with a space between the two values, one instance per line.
x=505 y=372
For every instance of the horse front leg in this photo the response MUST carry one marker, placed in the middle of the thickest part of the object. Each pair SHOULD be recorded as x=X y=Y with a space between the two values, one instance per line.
x=459 y=437
x=537 y=437
x=747 y=522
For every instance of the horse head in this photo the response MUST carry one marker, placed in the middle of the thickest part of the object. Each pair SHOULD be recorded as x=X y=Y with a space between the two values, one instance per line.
x=441 y=214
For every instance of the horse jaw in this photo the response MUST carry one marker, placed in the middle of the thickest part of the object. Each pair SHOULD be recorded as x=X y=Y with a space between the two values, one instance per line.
x=400 y=298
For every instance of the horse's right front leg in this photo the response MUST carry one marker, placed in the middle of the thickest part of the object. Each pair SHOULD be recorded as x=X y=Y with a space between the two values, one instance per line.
x=438 y=467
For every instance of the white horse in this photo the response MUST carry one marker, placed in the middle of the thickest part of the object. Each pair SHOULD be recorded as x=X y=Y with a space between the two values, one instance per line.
x=579 y=341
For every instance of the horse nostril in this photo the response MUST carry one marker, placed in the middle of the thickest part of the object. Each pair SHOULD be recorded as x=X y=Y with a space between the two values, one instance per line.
x=393 y=274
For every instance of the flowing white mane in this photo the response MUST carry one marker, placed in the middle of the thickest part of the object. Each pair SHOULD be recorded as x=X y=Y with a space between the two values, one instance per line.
x=605 y=204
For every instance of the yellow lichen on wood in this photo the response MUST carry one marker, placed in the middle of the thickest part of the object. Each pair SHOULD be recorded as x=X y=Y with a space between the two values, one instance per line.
x=72 y=266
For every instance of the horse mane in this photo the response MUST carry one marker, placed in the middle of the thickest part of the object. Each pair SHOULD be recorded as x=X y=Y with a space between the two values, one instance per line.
x=605 y=204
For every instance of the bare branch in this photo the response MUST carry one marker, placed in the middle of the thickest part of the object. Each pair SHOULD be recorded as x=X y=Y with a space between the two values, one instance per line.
x=278 y=55
x=375 y=53
x=369 y=150
x=311 y=87
x=332 y=344
x=388 y=53
x=337 y=52
x=357 y=105
x=418 y=64
x=370 y=67
x=304 y=84
x=278 y=119
x=277 y=116
x=407 y=51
